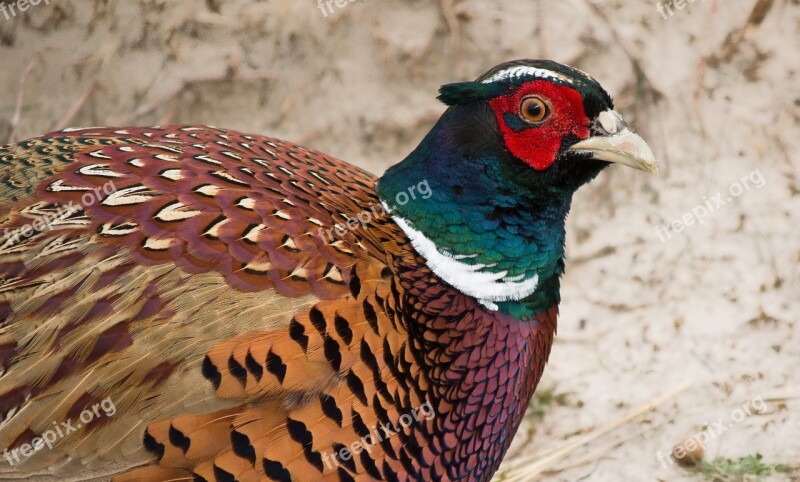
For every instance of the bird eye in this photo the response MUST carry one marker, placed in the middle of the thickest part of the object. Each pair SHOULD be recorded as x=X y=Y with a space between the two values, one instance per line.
x=533 y=110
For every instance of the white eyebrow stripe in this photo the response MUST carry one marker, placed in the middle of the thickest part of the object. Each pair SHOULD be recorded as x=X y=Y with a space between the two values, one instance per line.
x=525 y=71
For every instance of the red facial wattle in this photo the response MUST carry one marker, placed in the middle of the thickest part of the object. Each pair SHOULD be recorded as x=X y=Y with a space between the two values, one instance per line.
x=538 y=145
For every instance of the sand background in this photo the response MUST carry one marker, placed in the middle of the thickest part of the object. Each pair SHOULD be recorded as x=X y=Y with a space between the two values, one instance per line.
x=713 y=88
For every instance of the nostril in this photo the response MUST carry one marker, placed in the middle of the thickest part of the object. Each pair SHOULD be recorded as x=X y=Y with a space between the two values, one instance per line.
x=611 y=122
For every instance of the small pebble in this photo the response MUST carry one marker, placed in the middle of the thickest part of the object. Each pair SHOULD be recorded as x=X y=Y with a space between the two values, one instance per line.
x=688 y=453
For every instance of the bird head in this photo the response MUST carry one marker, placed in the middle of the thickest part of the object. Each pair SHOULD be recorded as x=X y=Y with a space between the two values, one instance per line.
x=554 y=119
x=500 y=168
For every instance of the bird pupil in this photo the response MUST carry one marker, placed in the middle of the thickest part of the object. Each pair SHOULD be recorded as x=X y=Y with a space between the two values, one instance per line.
x=534 y=110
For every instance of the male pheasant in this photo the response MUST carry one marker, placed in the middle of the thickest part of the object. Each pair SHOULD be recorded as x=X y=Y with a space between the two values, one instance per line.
x=192 y=303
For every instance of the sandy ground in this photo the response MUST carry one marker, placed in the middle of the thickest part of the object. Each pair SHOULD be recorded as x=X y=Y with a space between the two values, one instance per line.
x=712 y=309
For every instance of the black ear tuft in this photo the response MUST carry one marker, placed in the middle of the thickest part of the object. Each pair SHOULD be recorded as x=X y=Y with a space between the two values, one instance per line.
x=464 y=92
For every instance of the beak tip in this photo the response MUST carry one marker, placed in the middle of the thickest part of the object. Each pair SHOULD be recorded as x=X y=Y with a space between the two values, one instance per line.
x=649 y=165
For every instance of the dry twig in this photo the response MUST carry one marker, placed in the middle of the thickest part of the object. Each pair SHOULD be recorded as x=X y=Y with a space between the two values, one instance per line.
x=231 y=73
x=15 y=118
x=75 y=108
x=524 y=468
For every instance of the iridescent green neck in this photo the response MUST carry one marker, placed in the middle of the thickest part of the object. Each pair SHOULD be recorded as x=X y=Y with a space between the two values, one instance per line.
x=481 y=209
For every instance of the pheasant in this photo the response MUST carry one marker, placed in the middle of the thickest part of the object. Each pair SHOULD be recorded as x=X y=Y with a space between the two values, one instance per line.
x=192 y=303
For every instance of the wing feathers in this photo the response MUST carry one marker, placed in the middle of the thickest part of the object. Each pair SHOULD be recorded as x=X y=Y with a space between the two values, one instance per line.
x=199 y=282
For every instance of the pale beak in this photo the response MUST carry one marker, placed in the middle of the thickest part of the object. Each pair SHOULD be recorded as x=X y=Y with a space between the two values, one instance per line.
x=618 y=144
